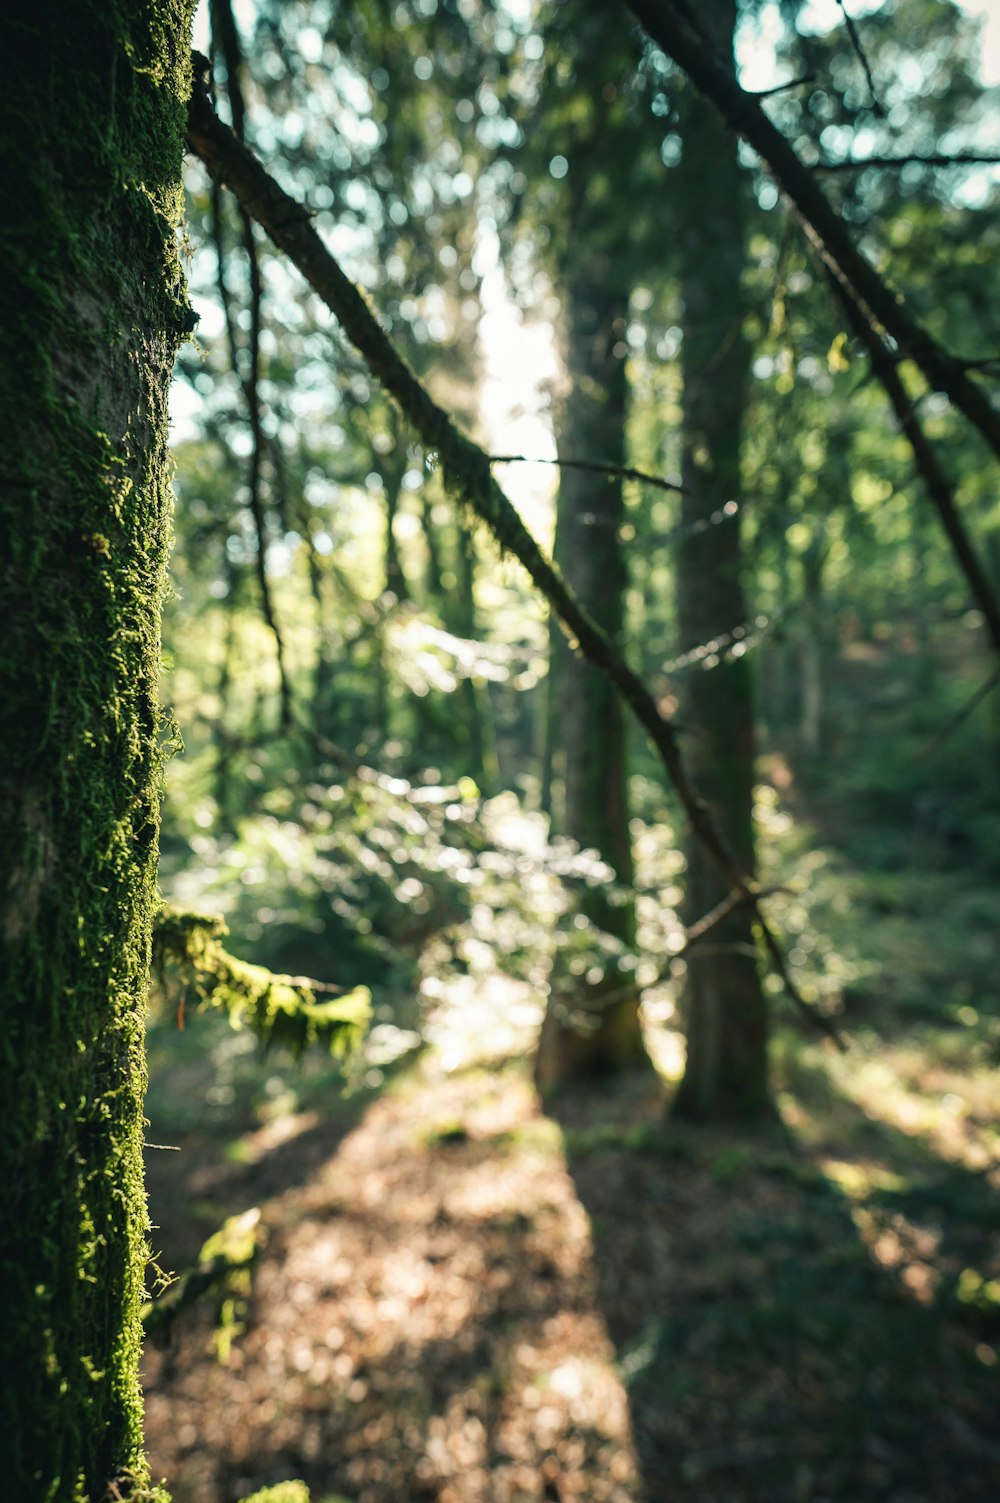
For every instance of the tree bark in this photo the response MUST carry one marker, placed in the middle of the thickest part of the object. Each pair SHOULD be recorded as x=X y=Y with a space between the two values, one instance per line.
x=93 y=308
x=590 y=726
x=725 y=1074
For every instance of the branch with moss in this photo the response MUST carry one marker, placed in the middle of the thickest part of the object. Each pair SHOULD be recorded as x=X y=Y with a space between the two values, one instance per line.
x=467 y=476
x=675 y=29
x=191 y=962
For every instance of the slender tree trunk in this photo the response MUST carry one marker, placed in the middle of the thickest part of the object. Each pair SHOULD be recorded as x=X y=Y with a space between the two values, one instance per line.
x=393 y=468
x=479 y=728
x=725 y=1074
x=552 y=770
x=223 y=769
x=548 y=715
x=93 y=307
x=591 y=723
x=812 y=657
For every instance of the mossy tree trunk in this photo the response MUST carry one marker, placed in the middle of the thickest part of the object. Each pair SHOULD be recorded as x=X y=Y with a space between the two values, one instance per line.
x=92 y=309
x=725 y=1075
x=590 y=726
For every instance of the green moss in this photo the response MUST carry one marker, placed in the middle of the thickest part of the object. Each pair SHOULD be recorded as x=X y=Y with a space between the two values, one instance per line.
x=189 y=961
x=284 y=1492
x=90 y=311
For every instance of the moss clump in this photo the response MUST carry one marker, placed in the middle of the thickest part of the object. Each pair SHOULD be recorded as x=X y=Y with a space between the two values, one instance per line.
x=190 y=962
x=283 y=1492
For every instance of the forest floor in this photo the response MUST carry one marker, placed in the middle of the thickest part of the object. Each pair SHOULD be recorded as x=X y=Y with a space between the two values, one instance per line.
x=467 y=1297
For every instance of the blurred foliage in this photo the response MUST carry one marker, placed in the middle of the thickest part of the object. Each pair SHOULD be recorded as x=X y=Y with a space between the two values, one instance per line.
x=390 y=838
x=223 y=1268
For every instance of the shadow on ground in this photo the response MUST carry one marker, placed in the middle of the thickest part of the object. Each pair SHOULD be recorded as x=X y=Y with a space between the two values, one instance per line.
x=465 y=1300
x=794 y=1340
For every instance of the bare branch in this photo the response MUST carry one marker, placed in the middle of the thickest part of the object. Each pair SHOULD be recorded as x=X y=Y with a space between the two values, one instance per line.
x=915 y=159
x=226 y=37
x=859 y=51
x=595 y=467
x=783 y=88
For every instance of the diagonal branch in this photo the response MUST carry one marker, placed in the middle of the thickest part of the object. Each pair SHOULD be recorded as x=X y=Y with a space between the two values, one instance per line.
x=672 y=27
x=225 y=33
x=467 y=475
x=937 y=483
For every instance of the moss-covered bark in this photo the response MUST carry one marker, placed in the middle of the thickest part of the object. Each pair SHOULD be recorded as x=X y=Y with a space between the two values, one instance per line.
x=725 y=1012
x=92 y=308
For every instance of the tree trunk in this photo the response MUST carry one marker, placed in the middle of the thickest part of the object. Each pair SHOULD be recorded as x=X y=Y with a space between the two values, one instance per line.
x=93 y=307
x=591 y=726
x=475 y=732
x=725 y=1074
x=812 y=665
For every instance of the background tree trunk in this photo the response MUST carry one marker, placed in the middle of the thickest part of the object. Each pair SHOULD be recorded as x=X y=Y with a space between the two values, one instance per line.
x=590 y=720
x=725 y=1074
x=93 y=308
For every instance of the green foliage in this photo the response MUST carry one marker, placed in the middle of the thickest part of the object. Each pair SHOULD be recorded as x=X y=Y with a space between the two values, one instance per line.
x=223 y=1268
x=188 y=956
x=282 y=1492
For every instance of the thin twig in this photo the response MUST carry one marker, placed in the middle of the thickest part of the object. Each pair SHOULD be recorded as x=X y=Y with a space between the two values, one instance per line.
x=159 y=1315
x=782 y=88
x=467 y=475
x=594 y=467
x=852 y=32
x=915 y=159
x=693 y=936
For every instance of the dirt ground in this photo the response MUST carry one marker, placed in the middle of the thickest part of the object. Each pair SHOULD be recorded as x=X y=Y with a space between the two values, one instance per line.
x=464 y=1299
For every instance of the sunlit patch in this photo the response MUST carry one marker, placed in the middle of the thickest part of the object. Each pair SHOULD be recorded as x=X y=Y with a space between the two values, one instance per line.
x=429 y=1317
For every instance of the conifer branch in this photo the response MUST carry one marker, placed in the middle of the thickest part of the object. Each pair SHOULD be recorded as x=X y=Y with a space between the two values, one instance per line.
x=189 y=957
x=226 y=1261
